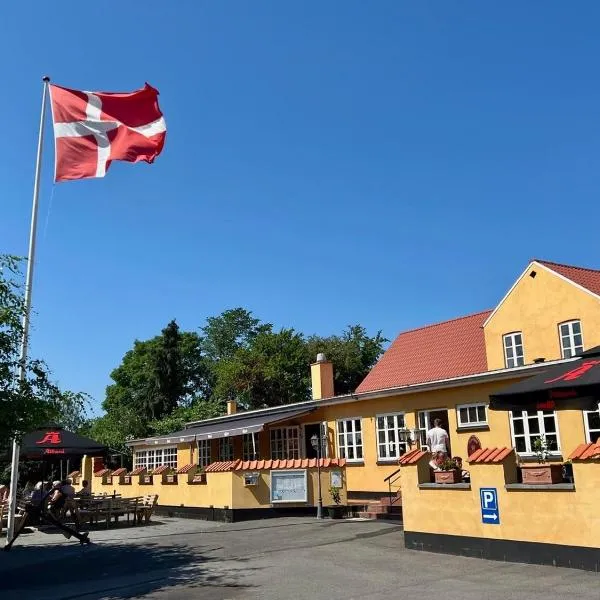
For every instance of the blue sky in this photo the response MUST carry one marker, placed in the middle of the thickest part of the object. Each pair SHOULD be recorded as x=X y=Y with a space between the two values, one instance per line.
x=384 y=163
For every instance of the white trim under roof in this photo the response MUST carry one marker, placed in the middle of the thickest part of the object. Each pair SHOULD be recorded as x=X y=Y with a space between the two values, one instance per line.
x=496 y=375
x=550 y=270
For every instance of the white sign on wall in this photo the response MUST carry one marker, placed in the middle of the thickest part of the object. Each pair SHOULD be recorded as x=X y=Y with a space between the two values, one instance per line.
x=336 y=479
x=288 y=486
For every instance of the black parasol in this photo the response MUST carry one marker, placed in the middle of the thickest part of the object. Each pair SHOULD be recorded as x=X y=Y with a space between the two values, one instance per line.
x=574 y=385
x=55 y=442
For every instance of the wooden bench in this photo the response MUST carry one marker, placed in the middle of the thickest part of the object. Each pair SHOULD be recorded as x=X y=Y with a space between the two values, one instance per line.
x=146 y=508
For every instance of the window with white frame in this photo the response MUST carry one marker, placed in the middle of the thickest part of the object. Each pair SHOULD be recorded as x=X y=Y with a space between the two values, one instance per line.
x=285 y=443
x=592 y=425
x=204 y=453
x=156 y=457
x=471 y=415
x=225 y=448
x=250 y=446
x=571 y=338
x=424 y=425
x=527 y=425
x=389 y=446
x=513 y=350
x=349 y=436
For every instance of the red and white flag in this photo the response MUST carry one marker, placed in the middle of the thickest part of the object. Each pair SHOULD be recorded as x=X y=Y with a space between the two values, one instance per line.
x=91 y=129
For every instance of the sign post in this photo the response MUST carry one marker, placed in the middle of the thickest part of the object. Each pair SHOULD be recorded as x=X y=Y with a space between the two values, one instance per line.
x=490 y=513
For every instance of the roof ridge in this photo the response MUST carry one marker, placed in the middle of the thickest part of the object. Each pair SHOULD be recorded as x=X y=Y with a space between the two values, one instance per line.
x=557 y=264
x=482 y=312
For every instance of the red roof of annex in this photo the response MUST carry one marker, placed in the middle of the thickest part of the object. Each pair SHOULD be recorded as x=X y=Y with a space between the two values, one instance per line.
x=449 y=349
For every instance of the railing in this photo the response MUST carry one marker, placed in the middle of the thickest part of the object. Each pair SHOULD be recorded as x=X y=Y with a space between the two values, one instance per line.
x=390 y=481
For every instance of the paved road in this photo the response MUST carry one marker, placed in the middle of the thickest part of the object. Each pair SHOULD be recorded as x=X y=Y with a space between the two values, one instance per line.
x=275 y=559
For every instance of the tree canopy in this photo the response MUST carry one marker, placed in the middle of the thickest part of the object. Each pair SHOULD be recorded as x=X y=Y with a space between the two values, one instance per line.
x=181 y=376
x=35 y=400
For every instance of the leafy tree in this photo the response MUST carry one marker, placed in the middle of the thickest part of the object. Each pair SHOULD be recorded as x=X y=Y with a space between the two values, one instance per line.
x=353 y=354
x=272 y=370
x=176 y=420
x=34 y=400
x=233 y=329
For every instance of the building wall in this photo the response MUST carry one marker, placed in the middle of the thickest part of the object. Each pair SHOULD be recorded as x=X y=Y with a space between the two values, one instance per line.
x=535 y=307
x=550 y=517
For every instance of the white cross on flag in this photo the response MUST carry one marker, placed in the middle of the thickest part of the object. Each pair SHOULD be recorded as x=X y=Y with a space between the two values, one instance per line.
x=91 y=129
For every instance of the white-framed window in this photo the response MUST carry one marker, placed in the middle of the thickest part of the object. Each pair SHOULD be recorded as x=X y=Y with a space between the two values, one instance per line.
x=527 y=425
x=471 y=415
x=156 y=457
x=592 y=425
x=225 y=448
x=424 y=425
x=204 y=453
x=250 y=447
x=285 y=443
x=349 y=436
x=389 y=446
x=513 y=349
x=571 y=338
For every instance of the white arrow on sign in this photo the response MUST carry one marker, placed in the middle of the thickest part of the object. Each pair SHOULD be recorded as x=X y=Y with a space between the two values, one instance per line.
x=493 y=516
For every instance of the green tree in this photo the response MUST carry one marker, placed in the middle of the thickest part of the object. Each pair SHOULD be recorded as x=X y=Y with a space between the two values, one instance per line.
x=272 y=370
x=353 y=354
x=35 y=400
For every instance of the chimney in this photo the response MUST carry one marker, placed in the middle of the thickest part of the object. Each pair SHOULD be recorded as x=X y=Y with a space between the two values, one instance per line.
x=321 y=375
x=231 y=407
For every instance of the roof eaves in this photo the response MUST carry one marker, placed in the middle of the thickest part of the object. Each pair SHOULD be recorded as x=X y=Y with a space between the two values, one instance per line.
x=545 y=265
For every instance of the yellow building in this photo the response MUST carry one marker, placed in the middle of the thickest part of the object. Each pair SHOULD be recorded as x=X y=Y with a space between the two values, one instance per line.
x=447 y=370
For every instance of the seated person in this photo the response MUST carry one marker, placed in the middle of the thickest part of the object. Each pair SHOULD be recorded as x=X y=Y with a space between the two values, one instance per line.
x=84 y=492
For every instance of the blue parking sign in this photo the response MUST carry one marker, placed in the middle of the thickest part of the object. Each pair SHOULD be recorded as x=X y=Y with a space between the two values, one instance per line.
x=489 y=506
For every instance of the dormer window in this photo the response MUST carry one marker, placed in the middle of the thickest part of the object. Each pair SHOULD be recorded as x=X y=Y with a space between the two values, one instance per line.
x=571 y=338
x=513 y=350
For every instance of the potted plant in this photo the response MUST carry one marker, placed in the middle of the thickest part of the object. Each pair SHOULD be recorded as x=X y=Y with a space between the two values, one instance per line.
x=542 y=473
x=449 y=472
x=337 y=510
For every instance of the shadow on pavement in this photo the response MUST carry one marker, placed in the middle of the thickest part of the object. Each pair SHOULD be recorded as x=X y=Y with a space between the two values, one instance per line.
x=113 y=571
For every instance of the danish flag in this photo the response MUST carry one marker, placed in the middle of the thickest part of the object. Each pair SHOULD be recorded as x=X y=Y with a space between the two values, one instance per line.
x=91 y=129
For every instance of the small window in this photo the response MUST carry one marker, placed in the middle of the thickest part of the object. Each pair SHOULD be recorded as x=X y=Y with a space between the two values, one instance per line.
x=571 y=339
x=285 y=443
x=225 y=449
x=349 y=434
x=471 y=415
x=203 y=453
x=527 y=425
x=389 y=446
x=250 y=446
x=513 y=350
x=592 y=425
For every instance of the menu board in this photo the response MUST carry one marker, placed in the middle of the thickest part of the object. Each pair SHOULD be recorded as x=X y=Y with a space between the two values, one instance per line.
x=288 y=486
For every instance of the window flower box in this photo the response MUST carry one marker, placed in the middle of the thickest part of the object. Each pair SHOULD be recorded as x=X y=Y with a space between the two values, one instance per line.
x=125 y=480
x=453 y=476
x=198 y=479
x=541 y=474
x=170 y=479
x=146 y=479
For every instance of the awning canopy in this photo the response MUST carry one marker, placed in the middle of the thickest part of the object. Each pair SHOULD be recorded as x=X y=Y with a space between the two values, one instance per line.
x=56 y=442
x=230 y=427
x=574 y=385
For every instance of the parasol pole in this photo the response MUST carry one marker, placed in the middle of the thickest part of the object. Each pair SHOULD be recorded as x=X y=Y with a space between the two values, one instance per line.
x=14 y=471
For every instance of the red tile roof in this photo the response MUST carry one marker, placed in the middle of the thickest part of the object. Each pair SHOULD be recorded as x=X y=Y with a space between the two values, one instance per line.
x=221 y=466
x=298 y=463
x=412 y=457
x=102 y=472
x=587 y=278
x=186 y=468
x=120 y=471
x=138 y=471
x=450 y=349
x=162 y=469
x=489 y=455
x=75 y=474
x=586 y=452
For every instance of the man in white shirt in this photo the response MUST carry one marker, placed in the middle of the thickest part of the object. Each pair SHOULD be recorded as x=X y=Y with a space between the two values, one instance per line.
x=437 y=438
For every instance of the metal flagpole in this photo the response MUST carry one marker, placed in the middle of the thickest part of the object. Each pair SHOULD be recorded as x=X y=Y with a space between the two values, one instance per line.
x=14 y=473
